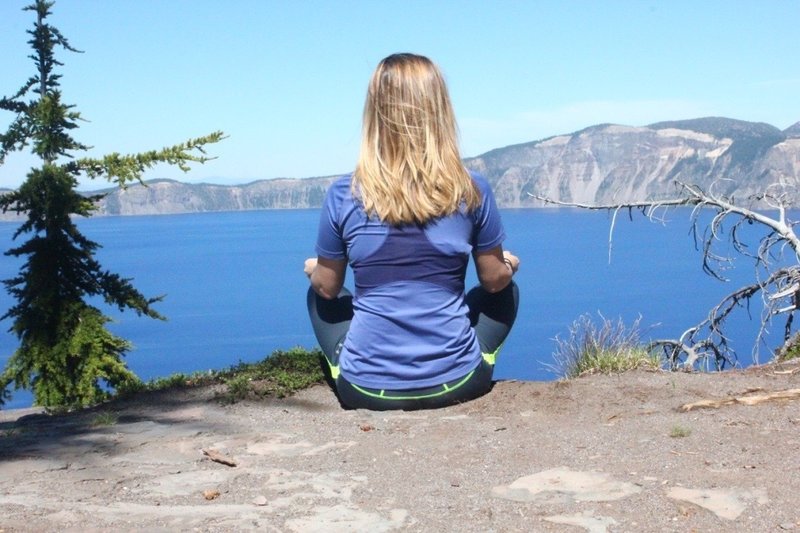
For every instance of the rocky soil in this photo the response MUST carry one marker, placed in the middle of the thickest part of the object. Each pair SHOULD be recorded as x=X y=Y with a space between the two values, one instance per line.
x=600 y=454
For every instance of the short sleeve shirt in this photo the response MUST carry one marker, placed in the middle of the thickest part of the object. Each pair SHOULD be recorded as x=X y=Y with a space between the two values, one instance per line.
x=410 y=327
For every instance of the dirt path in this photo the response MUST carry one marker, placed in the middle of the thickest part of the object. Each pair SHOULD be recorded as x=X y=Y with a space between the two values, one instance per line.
x=597 y=454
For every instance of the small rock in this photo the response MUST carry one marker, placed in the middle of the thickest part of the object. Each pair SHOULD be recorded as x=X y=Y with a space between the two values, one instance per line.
x=260 y=500
x=211 y=494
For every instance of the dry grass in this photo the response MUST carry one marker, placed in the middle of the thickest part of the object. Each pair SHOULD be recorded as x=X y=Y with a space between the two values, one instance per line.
x=608 y=347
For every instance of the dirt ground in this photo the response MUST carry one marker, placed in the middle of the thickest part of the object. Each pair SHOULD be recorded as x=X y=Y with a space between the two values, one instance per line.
x=598 y=454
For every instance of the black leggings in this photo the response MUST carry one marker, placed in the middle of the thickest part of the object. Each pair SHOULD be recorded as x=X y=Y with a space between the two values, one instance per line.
x=491 y=316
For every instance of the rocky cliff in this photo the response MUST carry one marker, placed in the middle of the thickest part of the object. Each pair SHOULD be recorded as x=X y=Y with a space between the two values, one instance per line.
x=168 y=196
x=613 y=163
x=600 y=164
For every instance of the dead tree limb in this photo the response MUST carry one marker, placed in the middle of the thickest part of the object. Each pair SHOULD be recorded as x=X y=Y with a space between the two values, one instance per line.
x=776 y=266
x=745 y=399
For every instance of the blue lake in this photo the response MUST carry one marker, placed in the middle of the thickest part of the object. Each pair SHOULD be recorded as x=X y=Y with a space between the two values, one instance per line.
x=235 y=289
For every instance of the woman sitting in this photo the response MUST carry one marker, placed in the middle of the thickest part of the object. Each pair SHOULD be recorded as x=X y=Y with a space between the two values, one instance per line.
x=407 y=221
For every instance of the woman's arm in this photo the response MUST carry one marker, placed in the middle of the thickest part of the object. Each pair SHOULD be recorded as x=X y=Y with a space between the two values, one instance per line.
x=326 y=275
x=495 y=268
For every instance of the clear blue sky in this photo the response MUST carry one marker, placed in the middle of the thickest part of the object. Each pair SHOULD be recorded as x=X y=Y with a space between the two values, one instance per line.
x=286 y=79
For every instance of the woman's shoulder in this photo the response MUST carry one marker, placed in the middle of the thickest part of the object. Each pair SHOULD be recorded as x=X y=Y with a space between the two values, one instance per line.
x=483 y=185
x=480 y=181
x=340 y=187
x=342 y=182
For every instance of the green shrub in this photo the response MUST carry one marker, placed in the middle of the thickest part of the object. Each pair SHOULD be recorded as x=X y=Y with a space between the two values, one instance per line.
x=679 y=432
x=105 y=418
x=610 y=347
x=173 y=381
x=790 y=350
x=281 y=374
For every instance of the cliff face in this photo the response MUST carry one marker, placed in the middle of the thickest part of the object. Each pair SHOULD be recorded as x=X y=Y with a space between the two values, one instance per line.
x=612 y=163
x=167 y=197
x=600 y=164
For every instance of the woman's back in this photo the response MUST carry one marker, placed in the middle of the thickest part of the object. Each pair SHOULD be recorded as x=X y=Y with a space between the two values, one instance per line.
x=410 y=327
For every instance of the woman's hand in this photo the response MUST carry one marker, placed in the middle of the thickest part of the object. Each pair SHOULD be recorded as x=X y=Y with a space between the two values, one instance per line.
x=511 y=260
x=310 y=265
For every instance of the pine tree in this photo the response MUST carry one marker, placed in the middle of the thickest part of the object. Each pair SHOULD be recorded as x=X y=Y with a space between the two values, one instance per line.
x=66 y=355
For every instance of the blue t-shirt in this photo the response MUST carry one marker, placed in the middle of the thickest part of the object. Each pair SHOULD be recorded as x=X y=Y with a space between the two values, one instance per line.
x=410 y=327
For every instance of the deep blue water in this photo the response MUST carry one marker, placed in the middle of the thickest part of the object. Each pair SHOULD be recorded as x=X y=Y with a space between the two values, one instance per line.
x=235 y=289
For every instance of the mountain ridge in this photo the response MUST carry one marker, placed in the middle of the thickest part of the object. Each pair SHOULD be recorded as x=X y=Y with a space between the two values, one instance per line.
x=602 y=163
x=613 y=163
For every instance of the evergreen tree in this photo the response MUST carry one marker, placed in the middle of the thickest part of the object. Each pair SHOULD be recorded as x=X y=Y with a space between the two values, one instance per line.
x=66 y=355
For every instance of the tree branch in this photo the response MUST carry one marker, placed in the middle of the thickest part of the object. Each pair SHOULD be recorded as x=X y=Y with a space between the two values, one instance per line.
x=124 y=169
x=706 y=344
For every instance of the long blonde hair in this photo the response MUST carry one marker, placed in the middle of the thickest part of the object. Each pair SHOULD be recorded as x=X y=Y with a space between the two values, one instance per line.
x=409 y=170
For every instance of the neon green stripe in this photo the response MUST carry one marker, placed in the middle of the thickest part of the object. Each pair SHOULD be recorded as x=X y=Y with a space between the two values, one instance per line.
x=491 y=358
x=334 y=369
x=384 y=396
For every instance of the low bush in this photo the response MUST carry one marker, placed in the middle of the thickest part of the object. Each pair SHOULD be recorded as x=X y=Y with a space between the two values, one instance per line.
x=280 y=374
x=790 y=350
x=680 y=432
x=608 y=347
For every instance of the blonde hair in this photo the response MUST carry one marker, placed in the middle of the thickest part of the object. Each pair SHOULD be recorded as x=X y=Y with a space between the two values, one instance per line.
x=409 y=169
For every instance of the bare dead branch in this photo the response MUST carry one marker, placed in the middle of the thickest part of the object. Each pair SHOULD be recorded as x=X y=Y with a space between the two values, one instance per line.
x=219 y=458
x=705 y=345
x=745 y=399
